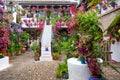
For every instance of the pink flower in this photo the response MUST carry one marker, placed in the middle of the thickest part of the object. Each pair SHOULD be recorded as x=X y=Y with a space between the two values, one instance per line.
x=58 y=25
x=20 y=31
x=33 y=8
x=1 y=2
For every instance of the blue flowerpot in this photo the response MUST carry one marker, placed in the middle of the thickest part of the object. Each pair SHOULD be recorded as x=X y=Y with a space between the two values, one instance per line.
x=46 y=49
x=64 y=75
x=95 y=78
x=82 y=61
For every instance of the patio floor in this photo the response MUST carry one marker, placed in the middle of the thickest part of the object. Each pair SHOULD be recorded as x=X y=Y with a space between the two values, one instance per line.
x=25 y=68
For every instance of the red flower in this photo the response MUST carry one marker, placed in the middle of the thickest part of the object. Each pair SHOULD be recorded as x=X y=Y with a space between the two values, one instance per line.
x=110 y=37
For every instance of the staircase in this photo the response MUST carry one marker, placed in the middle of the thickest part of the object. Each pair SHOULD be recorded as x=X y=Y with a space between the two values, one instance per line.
x=46 y=43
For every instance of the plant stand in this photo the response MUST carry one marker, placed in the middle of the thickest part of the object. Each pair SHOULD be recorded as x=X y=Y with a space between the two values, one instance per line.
x=4 y=63
x=77 y=71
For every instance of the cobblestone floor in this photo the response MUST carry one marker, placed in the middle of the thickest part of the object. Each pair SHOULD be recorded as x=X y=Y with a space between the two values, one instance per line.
x=25 y=68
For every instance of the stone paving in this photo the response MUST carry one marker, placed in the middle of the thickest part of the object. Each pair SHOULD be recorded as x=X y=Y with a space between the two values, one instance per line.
x=25 y=68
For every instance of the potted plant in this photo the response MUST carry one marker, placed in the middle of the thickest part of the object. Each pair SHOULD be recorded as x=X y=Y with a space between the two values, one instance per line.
x=90 y=47
x=35 y=48
x=36 y=56
x=11 y=50
x=56 y=55
x=18 y=47
x=1 y=55
x=24 y=36
x=62 y=71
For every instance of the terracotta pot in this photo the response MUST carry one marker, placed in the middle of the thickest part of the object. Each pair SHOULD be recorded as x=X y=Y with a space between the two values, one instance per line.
x=3 y=51
x=9 y=55
x=36 y=58
x=23 y=50
x=55 y=58
x=113 y=41
x=17 y=53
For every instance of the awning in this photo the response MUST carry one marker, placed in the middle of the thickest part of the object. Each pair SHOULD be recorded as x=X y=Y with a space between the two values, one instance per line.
x=41 y=3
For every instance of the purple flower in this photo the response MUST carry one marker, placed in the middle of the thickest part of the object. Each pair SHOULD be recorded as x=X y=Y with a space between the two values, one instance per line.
x=1 y=10
x=11 y=30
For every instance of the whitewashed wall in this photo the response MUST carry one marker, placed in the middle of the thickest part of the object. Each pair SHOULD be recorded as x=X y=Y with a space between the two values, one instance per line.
x=115 y=48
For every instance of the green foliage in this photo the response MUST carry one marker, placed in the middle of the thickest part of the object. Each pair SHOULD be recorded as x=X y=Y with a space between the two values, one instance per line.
x=92 y=2
x=14 y=36
x=18 y=46
x=34 y=46
x=24 y=36
x=56 y=54
x=11 y=48
x=36 y=49
x=23 y=12
x=62 y=67
x=89 y=24
x=53 y=21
